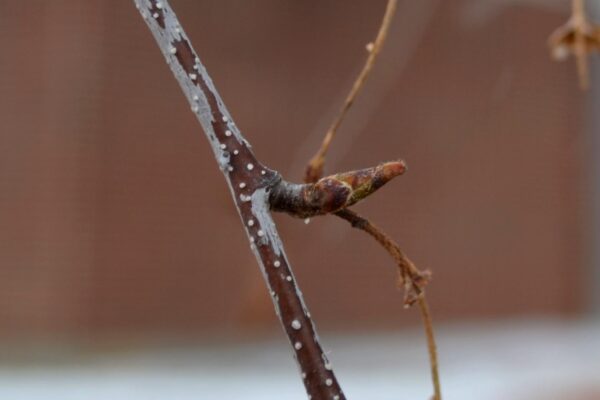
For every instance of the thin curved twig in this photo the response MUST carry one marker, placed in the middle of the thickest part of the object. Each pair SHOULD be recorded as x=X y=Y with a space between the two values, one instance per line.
x=409 y=276
x=431 y=346
x=314 y=170
x=411 y=279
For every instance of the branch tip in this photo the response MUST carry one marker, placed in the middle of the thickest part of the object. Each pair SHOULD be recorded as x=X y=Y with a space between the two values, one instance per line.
x=333 y=193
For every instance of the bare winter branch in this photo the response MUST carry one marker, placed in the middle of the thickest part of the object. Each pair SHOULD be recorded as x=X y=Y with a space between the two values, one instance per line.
x=250 y=183
x=257 y=190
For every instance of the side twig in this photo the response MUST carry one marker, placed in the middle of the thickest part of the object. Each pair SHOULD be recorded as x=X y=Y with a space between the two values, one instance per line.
x=432 y=347
x=411 y=279
x=314 y=171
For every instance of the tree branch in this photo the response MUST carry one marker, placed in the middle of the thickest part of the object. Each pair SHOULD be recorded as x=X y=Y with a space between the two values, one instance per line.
x=250 y=183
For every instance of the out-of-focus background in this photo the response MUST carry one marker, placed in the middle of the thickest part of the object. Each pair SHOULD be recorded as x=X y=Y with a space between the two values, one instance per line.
x=124 y=273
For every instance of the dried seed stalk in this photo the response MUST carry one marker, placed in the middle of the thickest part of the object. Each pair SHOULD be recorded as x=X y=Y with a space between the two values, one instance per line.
x=579 y=37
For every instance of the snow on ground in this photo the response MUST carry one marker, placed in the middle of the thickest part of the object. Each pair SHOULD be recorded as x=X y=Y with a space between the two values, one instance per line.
x=507 y=360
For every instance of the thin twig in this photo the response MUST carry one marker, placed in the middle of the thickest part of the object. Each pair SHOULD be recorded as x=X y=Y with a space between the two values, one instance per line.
x=412 y=279
x=431 y=347
x=314 y=170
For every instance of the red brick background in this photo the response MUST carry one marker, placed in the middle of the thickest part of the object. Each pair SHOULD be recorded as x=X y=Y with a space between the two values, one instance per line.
x=115 y=219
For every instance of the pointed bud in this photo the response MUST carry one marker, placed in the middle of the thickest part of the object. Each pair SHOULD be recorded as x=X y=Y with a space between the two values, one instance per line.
x=333 y=193
x=366 y=181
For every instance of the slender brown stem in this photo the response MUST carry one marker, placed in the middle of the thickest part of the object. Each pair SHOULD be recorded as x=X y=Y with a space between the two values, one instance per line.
x=411 y=279
x=431 y=346
x=580 y=49
x=314 y=170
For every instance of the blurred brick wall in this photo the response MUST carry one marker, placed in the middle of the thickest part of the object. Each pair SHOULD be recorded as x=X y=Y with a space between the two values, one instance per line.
x=115 y=218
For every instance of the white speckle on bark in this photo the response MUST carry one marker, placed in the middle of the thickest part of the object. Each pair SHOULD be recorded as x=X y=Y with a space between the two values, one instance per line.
x=296 y=324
